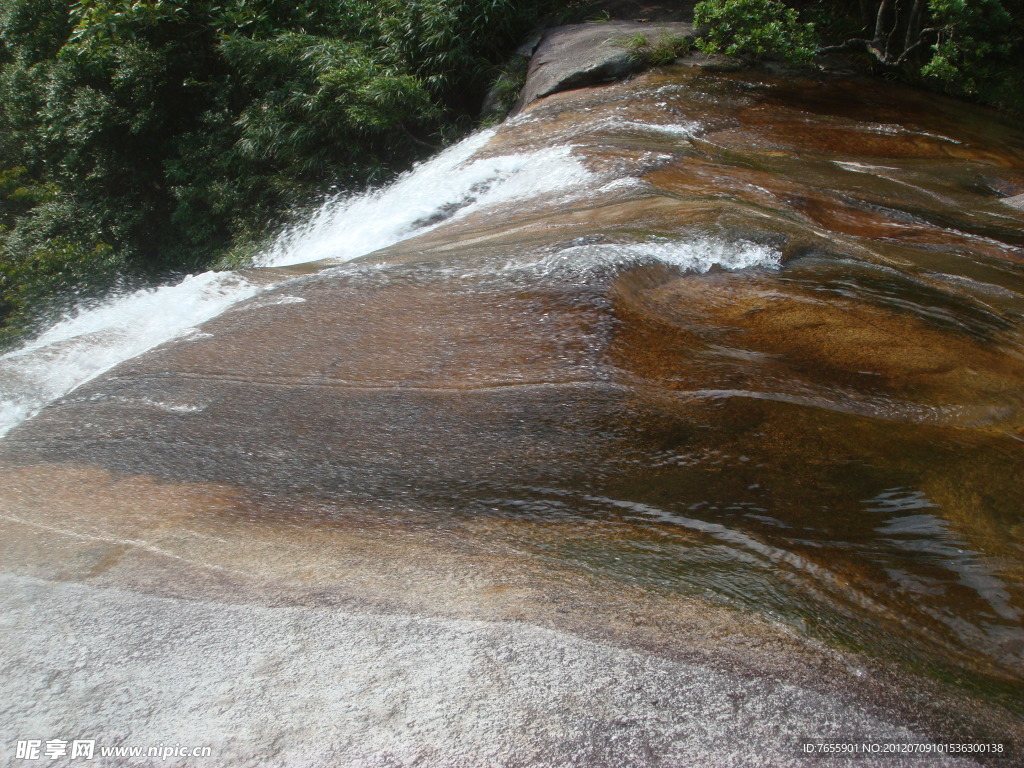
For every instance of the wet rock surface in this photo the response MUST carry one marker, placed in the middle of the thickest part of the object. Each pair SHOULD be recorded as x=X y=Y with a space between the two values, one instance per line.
x=1017 y=201
x=735 y=421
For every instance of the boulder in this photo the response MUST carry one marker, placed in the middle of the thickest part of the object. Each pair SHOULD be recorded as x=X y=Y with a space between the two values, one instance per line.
x=1017 y=201
x=579 y=55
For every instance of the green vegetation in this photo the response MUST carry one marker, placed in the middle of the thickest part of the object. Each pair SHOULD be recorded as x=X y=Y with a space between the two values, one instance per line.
x=970 y=48
x=754 y=28
x=977 y=48
x=142 y=137
x=504 y=92
x=665 y=49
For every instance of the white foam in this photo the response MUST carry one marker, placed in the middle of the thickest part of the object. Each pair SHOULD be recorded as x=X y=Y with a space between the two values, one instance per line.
x=617 y=124
x=686 y=130
x=91 y=341
x=448 y=186
x=691 y=255
x=700 y=255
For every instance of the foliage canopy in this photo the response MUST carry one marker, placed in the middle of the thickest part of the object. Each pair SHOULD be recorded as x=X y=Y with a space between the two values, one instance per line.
x=972 y=48
x=145 y=136
x=754 y=28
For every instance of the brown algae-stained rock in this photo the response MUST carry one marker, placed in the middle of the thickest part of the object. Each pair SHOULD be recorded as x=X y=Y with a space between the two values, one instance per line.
x=717 y=446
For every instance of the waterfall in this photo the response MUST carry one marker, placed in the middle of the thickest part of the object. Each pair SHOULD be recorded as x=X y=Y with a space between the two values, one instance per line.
x=91 y=340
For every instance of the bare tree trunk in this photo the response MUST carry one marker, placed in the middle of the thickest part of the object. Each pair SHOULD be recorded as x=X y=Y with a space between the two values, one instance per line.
x=883 y=7
x=897 y=15
x=913 y=26
x=880 y=45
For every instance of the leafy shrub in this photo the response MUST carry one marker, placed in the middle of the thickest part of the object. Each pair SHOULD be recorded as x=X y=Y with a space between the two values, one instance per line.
x=665 y=49
x=754 y=28
x=505 y=89
x=978 y=51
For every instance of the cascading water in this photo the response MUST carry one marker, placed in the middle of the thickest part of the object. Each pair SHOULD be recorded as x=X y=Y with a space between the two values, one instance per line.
x=92 y=340
x=452 y=185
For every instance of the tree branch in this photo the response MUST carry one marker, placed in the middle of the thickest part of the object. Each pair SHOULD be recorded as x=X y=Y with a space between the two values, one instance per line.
x=895 y=26
x=872 y=47
x=855 y=44
x=913 y=47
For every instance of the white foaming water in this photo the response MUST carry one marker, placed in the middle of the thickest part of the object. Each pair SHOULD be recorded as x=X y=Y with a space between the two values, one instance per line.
x=691 y=255
x=701 y=255
x=453 y=184
x=686 y=130
x=444 y=188
x=91 y=341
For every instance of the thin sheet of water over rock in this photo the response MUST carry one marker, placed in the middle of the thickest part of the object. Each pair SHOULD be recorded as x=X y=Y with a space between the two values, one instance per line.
x=717 y=439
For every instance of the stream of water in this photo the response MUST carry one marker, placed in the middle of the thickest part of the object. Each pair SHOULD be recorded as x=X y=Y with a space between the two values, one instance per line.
x=755 y=342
